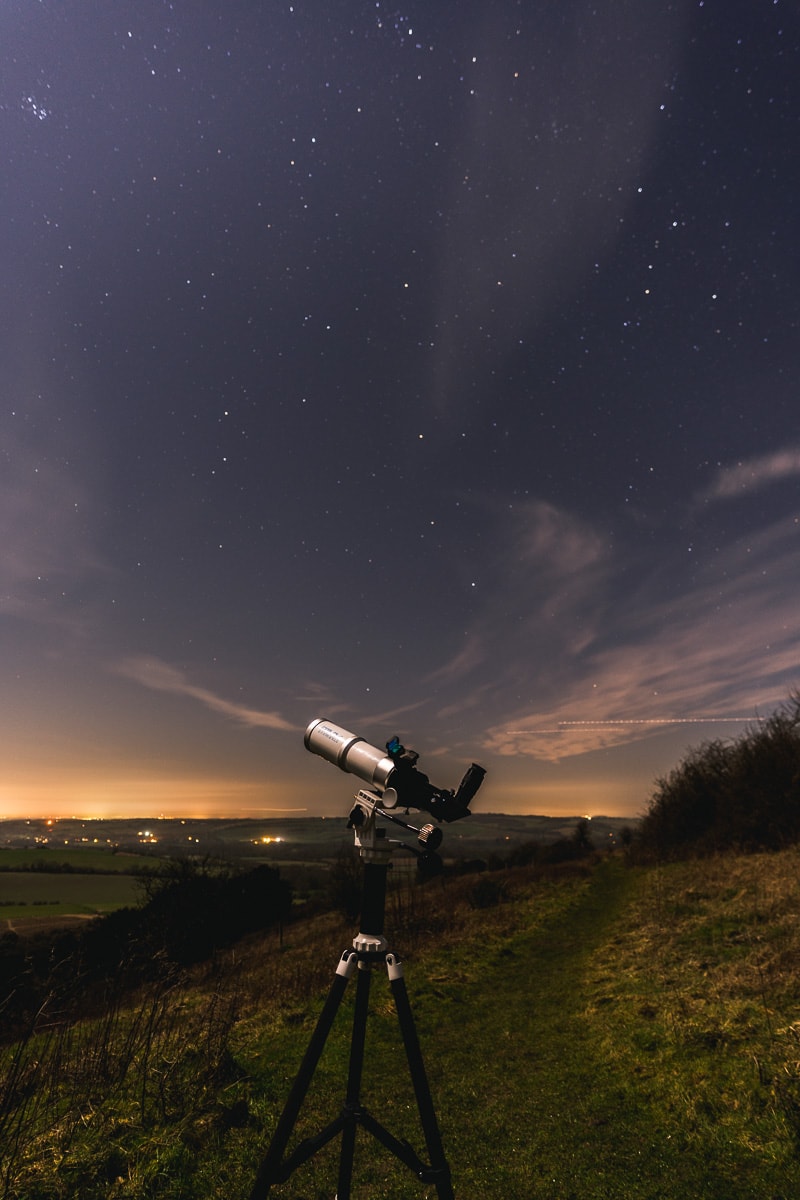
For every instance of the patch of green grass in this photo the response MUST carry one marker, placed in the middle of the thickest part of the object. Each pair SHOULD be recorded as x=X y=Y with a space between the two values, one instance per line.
x=86 y=858
x=31 y=894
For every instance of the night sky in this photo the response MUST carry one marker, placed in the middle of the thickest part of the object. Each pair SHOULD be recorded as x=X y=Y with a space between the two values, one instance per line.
x=432 y=369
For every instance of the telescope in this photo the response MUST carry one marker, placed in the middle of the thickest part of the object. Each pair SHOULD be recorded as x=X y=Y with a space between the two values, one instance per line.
x=392 y=780
x=392 y=773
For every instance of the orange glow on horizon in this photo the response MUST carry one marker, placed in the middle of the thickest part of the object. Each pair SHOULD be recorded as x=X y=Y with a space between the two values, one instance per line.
x=106 y=798
x=52 y=793
x=574 y=797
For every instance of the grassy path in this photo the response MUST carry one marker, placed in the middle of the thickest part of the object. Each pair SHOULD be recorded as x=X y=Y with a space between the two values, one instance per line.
x=558 y=1107
x=551 y=1117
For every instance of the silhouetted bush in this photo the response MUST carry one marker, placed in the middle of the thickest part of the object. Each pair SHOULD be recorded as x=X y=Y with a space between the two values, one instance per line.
x=743 y=794
x=193 y=910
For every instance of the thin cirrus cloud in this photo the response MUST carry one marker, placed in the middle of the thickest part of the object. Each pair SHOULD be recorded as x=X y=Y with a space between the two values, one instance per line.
x=542 y=600
x=724 y=648
x=754 y=474
x=546 y=585
x=554 y=243
x=159 y=676
x=587 y=641
x=47 y=555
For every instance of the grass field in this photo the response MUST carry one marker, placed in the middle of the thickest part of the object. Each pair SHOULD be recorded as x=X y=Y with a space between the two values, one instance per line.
x=81 y=858
x=34 y=894
x=617 y=1033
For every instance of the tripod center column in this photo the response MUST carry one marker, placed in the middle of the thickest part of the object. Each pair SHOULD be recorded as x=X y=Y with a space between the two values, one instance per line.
x=370 y=940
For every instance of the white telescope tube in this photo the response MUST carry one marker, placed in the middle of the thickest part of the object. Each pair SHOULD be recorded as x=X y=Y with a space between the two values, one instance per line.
x=351 y=753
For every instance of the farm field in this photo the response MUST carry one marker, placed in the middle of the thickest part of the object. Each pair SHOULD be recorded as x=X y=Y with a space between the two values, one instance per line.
x=36 y=895
x=80 y=858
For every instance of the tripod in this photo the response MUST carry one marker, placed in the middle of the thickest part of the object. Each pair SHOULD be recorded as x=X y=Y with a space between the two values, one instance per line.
x=370 y=948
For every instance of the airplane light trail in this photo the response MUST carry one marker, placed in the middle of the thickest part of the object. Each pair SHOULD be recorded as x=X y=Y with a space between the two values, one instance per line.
x=602 y=723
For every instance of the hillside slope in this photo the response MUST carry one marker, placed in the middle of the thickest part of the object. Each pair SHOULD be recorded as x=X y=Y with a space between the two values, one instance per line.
x=616 y=1032
x=625 y=1034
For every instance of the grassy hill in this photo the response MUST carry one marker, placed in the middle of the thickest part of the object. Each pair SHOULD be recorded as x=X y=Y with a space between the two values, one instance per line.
x=610 y=1031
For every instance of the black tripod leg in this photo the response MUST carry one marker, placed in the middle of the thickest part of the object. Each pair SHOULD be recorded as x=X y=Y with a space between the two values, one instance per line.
x=270 y=1170
x=353 y=1101
x=433 y=1138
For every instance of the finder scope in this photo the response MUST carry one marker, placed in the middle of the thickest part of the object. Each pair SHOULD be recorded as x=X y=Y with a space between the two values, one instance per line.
x=392 y=772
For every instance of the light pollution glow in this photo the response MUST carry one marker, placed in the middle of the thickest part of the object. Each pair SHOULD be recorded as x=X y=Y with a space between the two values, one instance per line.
x=106 y=797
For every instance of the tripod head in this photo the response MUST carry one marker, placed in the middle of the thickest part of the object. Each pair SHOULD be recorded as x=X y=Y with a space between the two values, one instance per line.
x=371 y=839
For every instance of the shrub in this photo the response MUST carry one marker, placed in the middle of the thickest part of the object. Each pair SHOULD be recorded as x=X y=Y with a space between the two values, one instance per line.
x=743 y=794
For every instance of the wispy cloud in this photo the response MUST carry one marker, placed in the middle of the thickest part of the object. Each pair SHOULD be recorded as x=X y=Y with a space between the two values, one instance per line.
x=553 y=540
x=754 y=474
x=465 y=659
x=585 y=647
x=322 y=700
x=554 y=244
x=159 y=676
x=47 y=555
x=540 y=601
x=721 y=650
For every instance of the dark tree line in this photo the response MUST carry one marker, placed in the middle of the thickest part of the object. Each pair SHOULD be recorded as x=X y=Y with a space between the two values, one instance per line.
x=743 y=794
